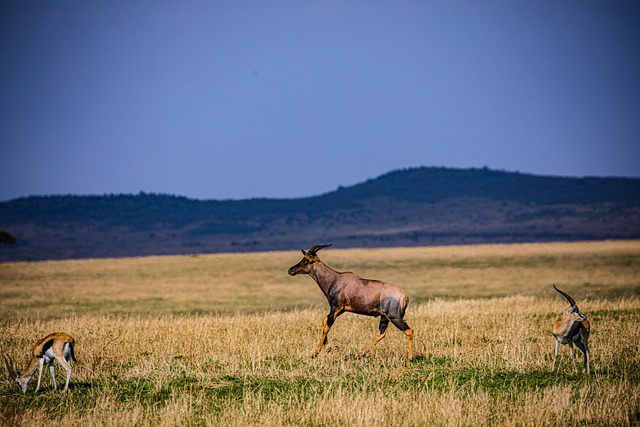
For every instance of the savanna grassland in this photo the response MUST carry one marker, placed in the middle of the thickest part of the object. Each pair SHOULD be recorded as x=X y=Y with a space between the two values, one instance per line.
x=226 y=339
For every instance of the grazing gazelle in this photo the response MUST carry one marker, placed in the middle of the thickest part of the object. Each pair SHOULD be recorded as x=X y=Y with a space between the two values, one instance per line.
x=572 y=327
x=348 y=292
x=56 y=346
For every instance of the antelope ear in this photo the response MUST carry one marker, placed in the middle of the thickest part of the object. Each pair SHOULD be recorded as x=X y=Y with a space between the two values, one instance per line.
x=307 y=256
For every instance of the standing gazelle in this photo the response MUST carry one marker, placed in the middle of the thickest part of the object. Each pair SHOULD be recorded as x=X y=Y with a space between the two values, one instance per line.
x=348 y=292
x=56 y=346
x=572 y=327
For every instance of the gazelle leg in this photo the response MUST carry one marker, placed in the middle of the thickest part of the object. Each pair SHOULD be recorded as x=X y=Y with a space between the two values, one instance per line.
x=66 y=385
x=384 y=322
x=585 y=340
x=573 y=356
x=67 y=367
x=555 y=356
x=40 y=367
x=585 y=350
x=53 y=375
x=587 y=357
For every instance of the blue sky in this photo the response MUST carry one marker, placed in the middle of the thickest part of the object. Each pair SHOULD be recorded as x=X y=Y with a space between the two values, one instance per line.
x=240 y=99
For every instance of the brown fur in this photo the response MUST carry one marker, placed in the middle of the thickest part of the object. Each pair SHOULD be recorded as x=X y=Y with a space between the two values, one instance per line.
x=349 y=292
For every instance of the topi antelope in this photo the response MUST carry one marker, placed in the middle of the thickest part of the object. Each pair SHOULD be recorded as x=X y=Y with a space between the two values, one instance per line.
x=348 y=292
x=56 y=346
x=572 y=327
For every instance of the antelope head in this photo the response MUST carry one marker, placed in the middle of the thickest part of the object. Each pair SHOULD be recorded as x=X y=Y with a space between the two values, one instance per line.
x=310 y=257
x=16 y=375
x=572 y=312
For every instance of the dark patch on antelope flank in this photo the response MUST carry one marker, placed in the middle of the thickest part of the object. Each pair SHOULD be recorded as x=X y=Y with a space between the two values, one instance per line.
x=47 y=345
x=394 y=311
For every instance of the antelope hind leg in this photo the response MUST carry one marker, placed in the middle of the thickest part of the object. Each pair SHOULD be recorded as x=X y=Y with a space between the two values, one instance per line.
x=404 y=327
x=409 y=334
x=384 y=322
x=371 y=344
x=53 y=375
x=67 y=367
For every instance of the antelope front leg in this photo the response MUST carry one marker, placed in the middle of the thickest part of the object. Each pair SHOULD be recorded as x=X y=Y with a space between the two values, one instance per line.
x=40 y=368
x=327 y=322
x=325 y=331
x=584 y=347
x=586 y=352
x=326 y=326
x=555 y=356
x=573 y=357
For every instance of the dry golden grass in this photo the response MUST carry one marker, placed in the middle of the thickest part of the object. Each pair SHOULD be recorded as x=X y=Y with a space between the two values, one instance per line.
x=226 y=339
x=257 y=282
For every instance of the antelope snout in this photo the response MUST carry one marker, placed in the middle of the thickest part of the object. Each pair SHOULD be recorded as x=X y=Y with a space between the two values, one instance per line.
x=292 y=271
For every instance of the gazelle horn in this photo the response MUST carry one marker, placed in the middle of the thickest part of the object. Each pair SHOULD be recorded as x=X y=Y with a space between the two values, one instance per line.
x=9 y=363
x=571 y=301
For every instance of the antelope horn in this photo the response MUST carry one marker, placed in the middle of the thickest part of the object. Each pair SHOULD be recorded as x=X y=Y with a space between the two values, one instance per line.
x=9 y=363
x=318 y=246
x=571 y=301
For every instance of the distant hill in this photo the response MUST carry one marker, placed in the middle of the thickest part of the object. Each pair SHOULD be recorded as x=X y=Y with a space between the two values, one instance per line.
x=419 y=206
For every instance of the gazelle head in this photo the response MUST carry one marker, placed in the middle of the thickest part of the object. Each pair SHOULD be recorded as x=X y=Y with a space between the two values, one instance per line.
x=16 y=375
x=310 y=257
x=572 y=312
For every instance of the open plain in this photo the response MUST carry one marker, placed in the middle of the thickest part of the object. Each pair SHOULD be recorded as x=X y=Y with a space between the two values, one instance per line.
x=225 y=339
